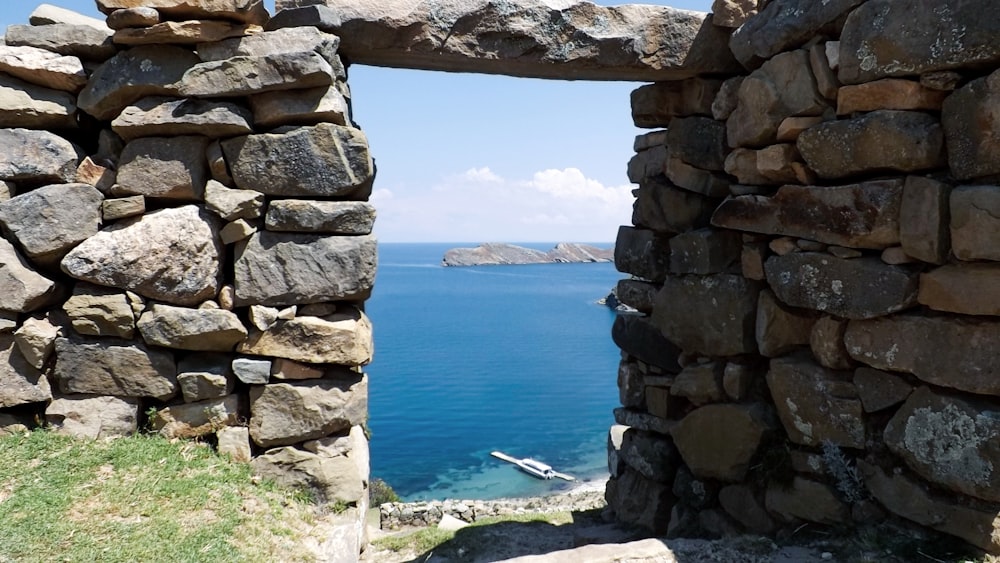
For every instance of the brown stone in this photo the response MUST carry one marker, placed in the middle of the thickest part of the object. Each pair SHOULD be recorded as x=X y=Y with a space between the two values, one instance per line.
x=742 y=163
x=700 y=384
x=193 y=420
x=692 y=178
x=164 y=167
x=718 y=441
x=663 y=207
x=880 y=390
x=290 y=412
x=860 y=288
x=816 y=404
x=950 y=352
x=783 y=87
x=826 y=77
x=249 y=11
x=975 y=222
x=740 y=502
x=807 y=500
x=924 y=214
x=752 y=260
x=91 y=173
x=234 y=441
x=971 y=289
x=781 y=329
x=189 y=32
x=879 y=141
x=343 y=338
x=654 y=105
x=888 y=93
x=20 y=382
x=705 y=251
x=727 y=99
x=639 y=501
x=109 y=366
x=712 y=315
x=791 y=127
x=906 y=497
x=827 y=343
x=864 y=215
x=732 y=13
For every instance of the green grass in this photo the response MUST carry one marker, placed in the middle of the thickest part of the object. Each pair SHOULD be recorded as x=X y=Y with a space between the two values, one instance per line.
x=140 y=499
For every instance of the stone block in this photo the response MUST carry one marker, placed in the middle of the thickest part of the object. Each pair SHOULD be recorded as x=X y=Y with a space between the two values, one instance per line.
x=727 y=99
x=36 y=340
x=132 y=75
x=700 y=384
x=252 y=371
x=740 y=502
x=89 y=43
x=204 y=376
x=647 y=164
x=698 y=141
x=643 y=421
x=309 y=106
x=705 y=251
x=640 y=502
x=248 y=75
x=37 y=157
x=639 y=338
x=880 y=390
x=159 y=116
x=342 y=338
x=205 y=330
x=189 y=32
x=652 y=455
x=970 y=289
x=816 y=404
x=123 y=207
x=100 y=311
x=711 y=315
x=22 y=289
x=109 y=366
x=334 y=217
x=826 y=77
x=780 y=329
x=43 y=67
x=975 y=222
x=193 y=420
x=28 y=105
x=20 y=382
x=826 y=340
x=654 y=105
x=140 y=16
x=49 y=221
x=791 y=127
x=888 y=93
x=924 y=215
x=642 y=253
x=718 y=441
x=637 y=294
x=93 y=417
x=631 y=388
x=164 y=167
x=807 y=500
x=247 y=11
x=291 y=412
x=732 y=13
x=694 y=179
x=234 y=441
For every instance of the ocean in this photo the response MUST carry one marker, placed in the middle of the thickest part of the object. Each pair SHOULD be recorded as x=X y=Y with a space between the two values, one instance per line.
x=474 y=359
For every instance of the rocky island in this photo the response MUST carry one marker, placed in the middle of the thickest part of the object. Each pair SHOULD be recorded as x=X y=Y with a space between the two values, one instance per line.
x=493 y=254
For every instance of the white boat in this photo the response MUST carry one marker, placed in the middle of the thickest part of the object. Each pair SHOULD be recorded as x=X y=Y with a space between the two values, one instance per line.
x=533 y=467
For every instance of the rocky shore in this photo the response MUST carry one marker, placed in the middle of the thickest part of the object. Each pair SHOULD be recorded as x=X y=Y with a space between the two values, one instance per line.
x=492 y=254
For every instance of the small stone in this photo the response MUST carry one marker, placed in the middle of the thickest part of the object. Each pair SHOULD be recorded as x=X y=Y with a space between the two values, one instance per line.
x=791 y=127
x=133 y=17
x=192 y=420
x=783 y=246
x=732 y=13
x=780 y=329
x=319 y=16
x=895 y=256
x=36 y=340
x=217 y=164
x=47 y=15
x=736 y=381
x=752 y=260
x=91 y=173
x=846 y=253
x=49 y=221
x=944 y=80
x=123 y=207
x=227 y=297
x=826 y=79
x=740 y=502
x=132 y=75
x=252 y=372
x=318 y=309
x=650 y=140
x=234 y=441
x=888 y=93
x=37 y=157
x=694 y=179
x=236 y=231
x=826 y=339
x=204 y=376
x=287 y=369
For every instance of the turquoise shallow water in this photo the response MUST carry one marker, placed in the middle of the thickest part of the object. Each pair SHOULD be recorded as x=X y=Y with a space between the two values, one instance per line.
x=469 y=360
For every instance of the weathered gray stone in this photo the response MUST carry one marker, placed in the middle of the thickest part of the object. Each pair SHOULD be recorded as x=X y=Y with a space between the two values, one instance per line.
x=631 y=388
x=333 y=477
x=925 y=37
x=249 y=11
x=342 y=338
x=652 y=455
x=969 y=120
x=807 y=500
x=637 y=294
x=42 y=67
x=816 y=404
x=700 y=384
x=193 y=420
x=300 y=107
x=319 y=16
x=662 y=207
x=22 y=289
x=827 y=343
x=864 y=215
x=783 y=87
x=712 y=315
x=132 y=75
x=643 y=421
x=698 y=141
x=642 y=253
x=288 y=269
x=47 y=14
x=718 y=441
x=171 y=255
x=244 y=75
x=123 y=207
x=961 y=357
x=649 y=140
x=654 y=105
x=49 y=221
x=879 y=389
x=971 y=289
x=36 y=339
x=251 y=371
x=639 y=501
x=530 y=38
x=110 y=366
x=139 y=16
x=204 y=376
x=904 y=496
x=20 y=382
x=888 y=93
x=783 y=25
x=287 y=413
x=740 y=502
x=975 y=222
x=84 y=41
x=924 y=219
x=335 y=217
x=878 y=141
x=164 y=167
x=325 y=160
x=93 y=417
x=230 y=204
x=234 y=441
x=780 y=329
x=742 y=163
x=705 y=251
x=647 y=164
x=36 y=156
x=206 y=330
x=694 y=179
x=100 y=311
x=189 y=32
x=159 y=116
x=639 y=338
x=727 y=99
x=859 y=288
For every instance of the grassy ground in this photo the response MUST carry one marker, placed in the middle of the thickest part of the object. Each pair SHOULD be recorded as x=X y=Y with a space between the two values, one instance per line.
x=142 y=499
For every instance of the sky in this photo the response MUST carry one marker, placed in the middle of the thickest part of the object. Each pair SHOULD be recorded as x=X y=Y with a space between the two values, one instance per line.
x=481 y=158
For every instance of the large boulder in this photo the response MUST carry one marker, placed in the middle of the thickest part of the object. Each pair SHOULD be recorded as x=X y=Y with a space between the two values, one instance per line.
x=132 y=75
x=291 y=412
x=49 y=221
x=816 y=404
x=247 y=11
x=342 y=338
x=711 y=315
x=27 y=105
x=325 y=160
x=859 y=288
x=22 y=289
x=172 y=255
x=20 y=382
x=182 y=328
x=279 y=269
x=532 y=38
x=718 y=441
x=109 y=366
x=94 y=417
x=37 y=156
x=863 y=215
x=159 y=116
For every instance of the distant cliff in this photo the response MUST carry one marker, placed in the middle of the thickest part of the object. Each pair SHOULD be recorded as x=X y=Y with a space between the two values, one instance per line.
x=492 y=254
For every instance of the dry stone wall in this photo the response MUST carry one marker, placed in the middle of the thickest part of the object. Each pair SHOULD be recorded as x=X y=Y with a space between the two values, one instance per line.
x=186 y=239
x=814 y=249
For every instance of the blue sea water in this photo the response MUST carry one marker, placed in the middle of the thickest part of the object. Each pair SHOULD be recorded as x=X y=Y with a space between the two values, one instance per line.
x=474 y=359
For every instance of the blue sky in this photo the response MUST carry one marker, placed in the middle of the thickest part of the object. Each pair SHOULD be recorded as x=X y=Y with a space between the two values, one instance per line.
x=476 y=158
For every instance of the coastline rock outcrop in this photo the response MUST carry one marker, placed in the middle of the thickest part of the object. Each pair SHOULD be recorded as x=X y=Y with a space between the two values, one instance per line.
x=494 y=254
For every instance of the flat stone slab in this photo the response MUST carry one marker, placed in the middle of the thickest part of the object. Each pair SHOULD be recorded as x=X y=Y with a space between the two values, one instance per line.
x=531 y=38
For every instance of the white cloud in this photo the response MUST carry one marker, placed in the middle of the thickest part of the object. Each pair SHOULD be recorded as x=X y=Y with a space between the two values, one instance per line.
x=479 y=205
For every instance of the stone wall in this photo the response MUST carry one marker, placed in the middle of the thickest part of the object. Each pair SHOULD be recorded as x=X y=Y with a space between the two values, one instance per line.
x=186 y=239
x=814 y=247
